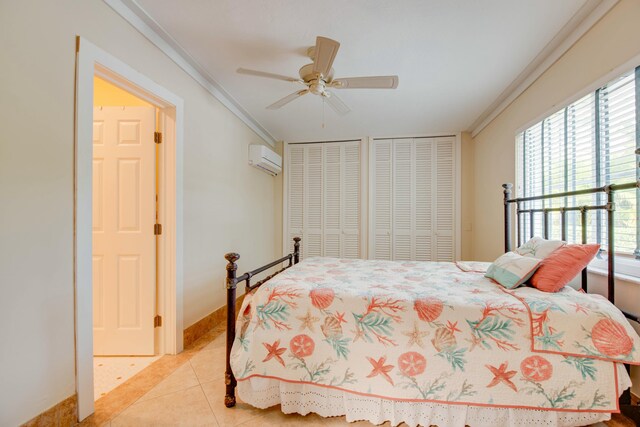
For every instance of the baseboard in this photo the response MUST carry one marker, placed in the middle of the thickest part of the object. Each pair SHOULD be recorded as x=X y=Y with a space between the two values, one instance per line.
x=207 y=323
x=62 y=414
x=634 y=399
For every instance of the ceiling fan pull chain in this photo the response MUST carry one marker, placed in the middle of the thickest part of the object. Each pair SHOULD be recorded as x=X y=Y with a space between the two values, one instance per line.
x=323 y=112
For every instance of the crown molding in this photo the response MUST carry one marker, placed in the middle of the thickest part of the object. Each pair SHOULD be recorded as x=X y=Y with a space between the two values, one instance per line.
x=135 y=15
x=581 y=22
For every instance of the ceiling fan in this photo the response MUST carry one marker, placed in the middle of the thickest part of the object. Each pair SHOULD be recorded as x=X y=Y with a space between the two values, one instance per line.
x=318 y=77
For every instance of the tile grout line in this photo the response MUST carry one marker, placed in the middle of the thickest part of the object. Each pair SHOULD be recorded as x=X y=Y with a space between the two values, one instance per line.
x=138 y=399
x=209 y=403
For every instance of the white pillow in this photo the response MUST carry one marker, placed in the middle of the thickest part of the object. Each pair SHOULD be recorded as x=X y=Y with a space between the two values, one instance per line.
x=537 y=247
x=512 y=270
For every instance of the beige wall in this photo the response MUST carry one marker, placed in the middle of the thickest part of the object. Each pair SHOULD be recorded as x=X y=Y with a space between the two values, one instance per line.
x=610 y=43
x=228 y=205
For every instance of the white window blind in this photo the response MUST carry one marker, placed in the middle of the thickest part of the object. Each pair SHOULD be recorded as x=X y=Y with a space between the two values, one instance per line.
x=590 y=143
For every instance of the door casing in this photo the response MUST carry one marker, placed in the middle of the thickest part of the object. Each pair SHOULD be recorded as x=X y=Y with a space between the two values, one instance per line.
x=90 y=61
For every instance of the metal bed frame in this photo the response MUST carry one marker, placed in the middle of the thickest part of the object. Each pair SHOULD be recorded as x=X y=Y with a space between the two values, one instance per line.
x=629 y=410
x=232 y=282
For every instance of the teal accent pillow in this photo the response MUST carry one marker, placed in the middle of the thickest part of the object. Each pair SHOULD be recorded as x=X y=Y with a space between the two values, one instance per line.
x=512 y=270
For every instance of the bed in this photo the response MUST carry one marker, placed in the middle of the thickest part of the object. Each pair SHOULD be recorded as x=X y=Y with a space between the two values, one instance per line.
x=427 y=343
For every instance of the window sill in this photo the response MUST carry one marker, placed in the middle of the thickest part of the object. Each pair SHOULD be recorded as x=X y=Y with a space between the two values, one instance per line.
x=620 y=276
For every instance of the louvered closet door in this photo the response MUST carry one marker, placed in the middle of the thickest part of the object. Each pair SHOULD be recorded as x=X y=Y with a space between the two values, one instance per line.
x=351 y=200
x=332 y=208
x=296 y=182
x=403 y=200
x=444 y=207
x=413 y=193
x=424 y=191
x=313 y=201
x=380 y=169
x=324 y=198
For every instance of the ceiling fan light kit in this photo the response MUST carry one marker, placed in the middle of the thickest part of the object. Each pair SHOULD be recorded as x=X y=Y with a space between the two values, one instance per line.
x=318 y=76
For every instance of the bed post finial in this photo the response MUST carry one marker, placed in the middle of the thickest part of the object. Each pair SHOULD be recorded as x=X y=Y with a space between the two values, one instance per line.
x=296 y=250
x=507 y=216
x=229 y=379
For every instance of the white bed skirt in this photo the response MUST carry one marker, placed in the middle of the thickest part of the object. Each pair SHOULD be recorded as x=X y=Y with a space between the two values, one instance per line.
x=304 y=399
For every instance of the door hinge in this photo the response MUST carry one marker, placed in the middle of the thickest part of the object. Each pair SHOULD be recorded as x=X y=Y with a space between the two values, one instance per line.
x=157 y=321
x=157 y=137
x=157 y=229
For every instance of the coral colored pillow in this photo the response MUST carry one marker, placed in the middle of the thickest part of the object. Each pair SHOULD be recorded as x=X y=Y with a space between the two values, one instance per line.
x=562 y=265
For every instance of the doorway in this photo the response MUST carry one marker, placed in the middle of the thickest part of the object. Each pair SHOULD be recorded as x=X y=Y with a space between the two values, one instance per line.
x=124 y=211
x=162 y=112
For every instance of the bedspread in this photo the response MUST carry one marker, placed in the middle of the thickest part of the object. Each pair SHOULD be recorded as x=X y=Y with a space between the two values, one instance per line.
x=417 y=331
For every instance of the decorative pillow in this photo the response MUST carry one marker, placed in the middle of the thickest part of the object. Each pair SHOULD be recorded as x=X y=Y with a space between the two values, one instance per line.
x=511 y=269
x=538 y=247
x=562 y=266
x=473 y=266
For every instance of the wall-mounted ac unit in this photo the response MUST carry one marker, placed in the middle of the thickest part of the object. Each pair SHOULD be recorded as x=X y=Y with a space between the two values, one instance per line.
x=265 y=159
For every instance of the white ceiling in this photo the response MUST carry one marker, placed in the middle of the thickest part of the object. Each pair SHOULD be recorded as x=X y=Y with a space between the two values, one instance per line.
x=454 y=58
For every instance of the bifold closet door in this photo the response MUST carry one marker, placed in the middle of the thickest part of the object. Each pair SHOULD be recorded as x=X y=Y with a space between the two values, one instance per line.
x=444 y=206
x=412 y=194
x=324 y=198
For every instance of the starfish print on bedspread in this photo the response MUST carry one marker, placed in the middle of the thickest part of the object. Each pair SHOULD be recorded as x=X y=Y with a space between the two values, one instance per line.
x=379 y=368
x=501 y=375
x=415 y=336
x=274 y=352
x=308 y=321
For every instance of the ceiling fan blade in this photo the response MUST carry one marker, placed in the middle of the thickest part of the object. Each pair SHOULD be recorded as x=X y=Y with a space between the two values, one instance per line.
x=287 y=99
x=337 y=104
x=373 y=82
x=325 y=52
x=267 y=75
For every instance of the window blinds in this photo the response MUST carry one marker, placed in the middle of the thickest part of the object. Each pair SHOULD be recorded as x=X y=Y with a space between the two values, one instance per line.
x=589 y=143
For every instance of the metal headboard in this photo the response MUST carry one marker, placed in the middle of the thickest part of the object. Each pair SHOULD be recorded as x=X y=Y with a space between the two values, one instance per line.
x=609 y=207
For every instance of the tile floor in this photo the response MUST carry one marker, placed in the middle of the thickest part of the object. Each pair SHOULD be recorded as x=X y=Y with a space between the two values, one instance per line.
x=110 y=372
x=188 y=390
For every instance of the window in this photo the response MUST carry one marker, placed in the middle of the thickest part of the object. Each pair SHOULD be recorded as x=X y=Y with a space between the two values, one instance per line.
x=590 y=143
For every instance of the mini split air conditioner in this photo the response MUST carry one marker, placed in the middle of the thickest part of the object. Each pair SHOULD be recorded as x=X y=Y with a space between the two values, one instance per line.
x=265 y=159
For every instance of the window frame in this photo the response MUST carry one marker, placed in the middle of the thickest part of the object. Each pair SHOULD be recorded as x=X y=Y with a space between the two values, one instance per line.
x=627 y=264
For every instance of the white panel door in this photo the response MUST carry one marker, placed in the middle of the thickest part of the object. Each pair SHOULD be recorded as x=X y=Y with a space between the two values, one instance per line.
x=124 y=259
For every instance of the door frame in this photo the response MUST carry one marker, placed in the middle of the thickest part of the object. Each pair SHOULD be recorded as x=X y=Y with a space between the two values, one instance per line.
x=92 y=61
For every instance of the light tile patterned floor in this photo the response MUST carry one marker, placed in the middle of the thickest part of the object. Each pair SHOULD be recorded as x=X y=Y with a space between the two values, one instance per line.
x=110 y=372
x=188 y=390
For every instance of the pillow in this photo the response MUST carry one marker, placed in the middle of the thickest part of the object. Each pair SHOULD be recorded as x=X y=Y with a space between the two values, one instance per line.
x=511 y=269
x=538 y=247
x=473 y=266
x=562 y=266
